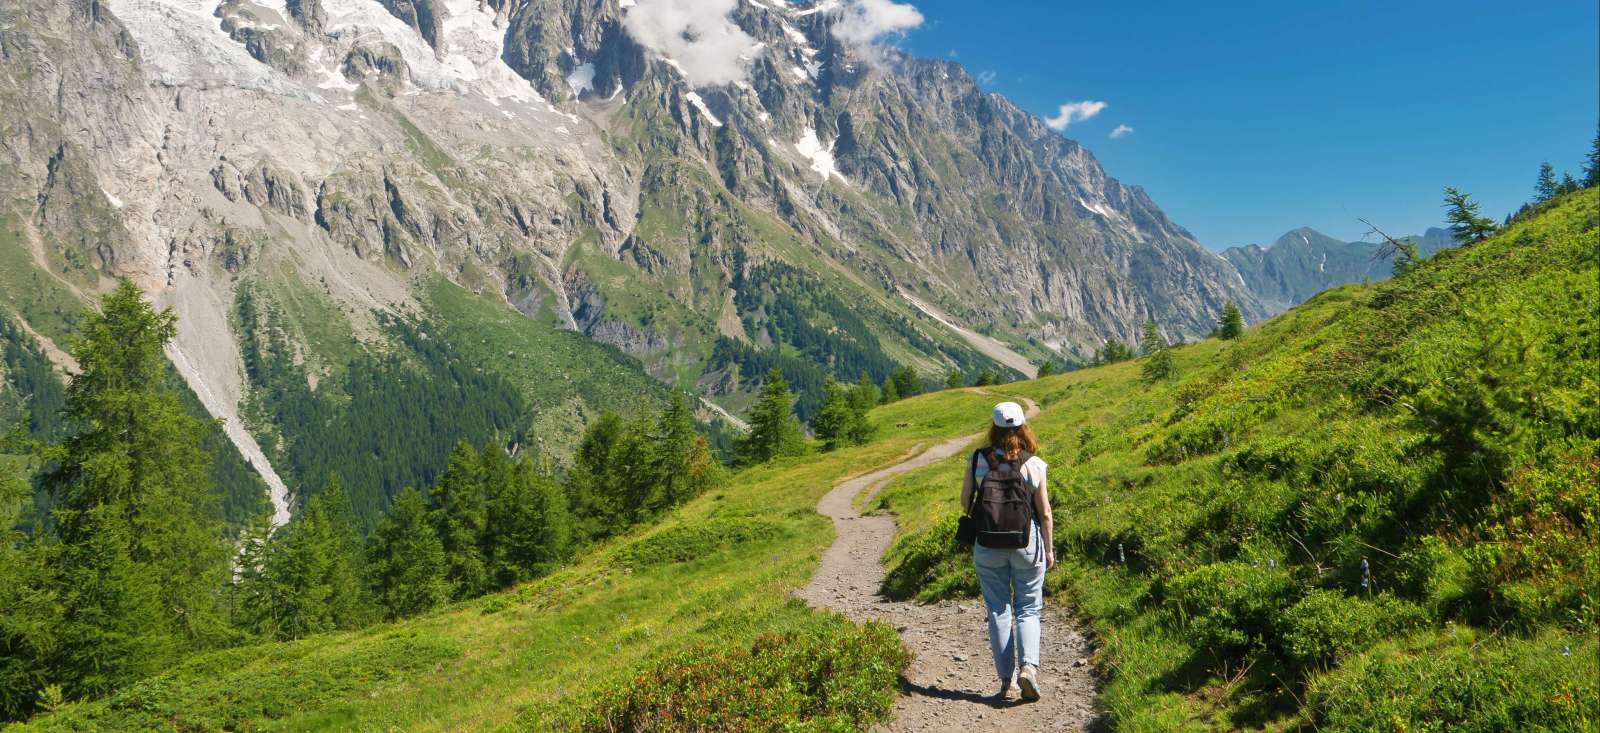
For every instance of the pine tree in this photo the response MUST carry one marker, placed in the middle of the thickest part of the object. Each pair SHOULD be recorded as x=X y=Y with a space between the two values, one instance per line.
x=891 y=393
x=1157 y=356
x=1591 y=165
x=1468 y=226
x=1048 y=368
x=594 y=478
x=1545 y=188
x=906 y=382
x=833 y=422
x=672 y=447
x=774 y=431
x=1568 y=184
x=1231 y=325
x=141 y=560
x=986 y=377
x=406 y=559
x=307 y=576
x=955 y=380
x=1113 y=352
x=530 y=523
x=457 y=513
x=30 y=614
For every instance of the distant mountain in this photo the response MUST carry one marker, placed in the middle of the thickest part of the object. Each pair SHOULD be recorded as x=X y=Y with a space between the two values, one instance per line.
x=1304 y=262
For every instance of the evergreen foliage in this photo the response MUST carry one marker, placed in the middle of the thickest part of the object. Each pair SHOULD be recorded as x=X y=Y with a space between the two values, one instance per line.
x=408 y=563
x=530 y=528
x=307 y=577
x=774 y=431
x=1545 y=188
x=134 y=558
x=1048 y=368
x=956 y=380
x=842 y=421
x=1113 y=352
x=906 y=381
x=890 y=393
x=1231 y=325
x=1591 y=163
x=1468 y=226
x=1157 y=355
x=626 y=472
x=459 y=515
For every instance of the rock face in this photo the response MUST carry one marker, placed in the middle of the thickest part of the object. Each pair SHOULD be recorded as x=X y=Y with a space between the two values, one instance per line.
x=1304 y=262
x=534 y=151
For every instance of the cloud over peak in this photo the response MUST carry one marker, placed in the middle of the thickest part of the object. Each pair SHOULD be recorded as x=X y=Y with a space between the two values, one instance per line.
x=863 y=23
x=1121 y=131
x=696 y=35
x=1074 y=112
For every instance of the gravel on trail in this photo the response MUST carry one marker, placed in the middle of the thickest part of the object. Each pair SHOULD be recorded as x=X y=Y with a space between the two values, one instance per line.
x=951 y=682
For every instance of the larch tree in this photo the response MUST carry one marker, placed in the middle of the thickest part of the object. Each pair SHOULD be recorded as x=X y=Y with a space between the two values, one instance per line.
x=1231 y=325
x=1461 y=212
x=406 y=560
x=774 y=431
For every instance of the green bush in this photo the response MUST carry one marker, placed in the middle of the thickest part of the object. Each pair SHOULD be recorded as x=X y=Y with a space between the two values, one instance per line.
x=1326 y=626
x=832 y=676
x=1464 y=683
x=1229 y=607
x=690 y=542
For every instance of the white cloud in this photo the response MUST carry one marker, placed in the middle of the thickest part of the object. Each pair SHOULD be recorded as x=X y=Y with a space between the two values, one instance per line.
x=864 y=23
x=1074 y=112
x=1120 y=131
x=986 y=77
x=695 y=34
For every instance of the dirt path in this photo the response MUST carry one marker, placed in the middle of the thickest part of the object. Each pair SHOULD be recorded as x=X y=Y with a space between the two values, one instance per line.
x=951 y=681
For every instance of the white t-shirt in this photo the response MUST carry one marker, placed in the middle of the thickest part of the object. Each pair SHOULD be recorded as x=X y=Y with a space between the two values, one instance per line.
x=1033 y=471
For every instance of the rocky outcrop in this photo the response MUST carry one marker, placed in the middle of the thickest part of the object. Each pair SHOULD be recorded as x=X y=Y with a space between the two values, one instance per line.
x=422 y=15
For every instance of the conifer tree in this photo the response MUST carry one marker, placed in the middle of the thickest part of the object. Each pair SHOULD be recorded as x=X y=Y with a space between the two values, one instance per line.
x=1468 y=226
x=594 y=478
x=1545 y=188
x=1048 y=368
x=1157 y=356
x=986 y=377
x=1113 y=352
x=406 y=559
x=672 y=448
x=1568 y=184
x=955 y=380
x=862 y=399
x=140 y=560
x=457 y=513
x=530 y=524
x=833 y=422
x=307 y=576
x=27 y=596
x=1231 y=325
x=906 y=382
x=774 y=431
x=1591 y=165
x=891 y=393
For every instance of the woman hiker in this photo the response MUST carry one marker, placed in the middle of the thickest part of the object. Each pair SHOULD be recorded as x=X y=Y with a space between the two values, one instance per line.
x=1004 y=494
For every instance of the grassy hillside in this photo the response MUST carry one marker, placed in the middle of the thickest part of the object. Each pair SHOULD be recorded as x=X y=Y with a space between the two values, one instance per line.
x=627 y=617
x=1439 y=430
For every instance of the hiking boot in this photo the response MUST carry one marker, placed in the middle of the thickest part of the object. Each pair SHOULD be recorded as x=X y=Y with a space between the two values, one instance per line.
x=1028 y=680
x=1005 y=691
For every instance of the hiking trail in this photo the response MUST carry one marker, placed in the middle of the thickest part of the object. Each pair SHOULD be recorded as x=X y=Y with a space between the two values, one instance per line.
x=951 y=681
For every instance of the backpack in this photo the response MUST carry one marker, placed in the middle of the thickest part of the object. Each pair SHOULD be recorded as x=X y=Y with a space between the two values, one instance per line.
x=1002 y=504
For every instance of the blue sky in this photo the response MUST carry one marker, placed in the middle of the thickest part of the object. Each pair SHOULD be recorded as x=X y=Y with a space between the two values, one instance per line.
x=1252 y=118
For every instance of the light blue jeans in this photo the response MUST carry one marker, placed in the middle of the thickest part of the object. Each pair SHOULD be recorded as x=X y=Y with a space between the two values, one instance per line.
x=1013 y=592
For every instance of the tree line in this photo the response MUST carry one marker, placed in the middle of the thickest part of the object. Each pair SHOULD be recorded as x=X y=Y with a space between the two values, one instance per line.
x=132 y=567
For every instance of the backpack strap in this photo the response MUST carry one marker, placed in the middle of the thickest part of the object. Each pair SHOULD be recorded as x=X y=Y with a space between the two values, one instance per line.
x=972 y=471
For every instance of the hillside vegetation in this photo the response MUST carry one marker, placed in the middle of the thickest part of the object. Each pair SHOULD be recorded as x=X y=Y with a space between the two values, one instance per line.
x=1375 y=512
x=669 y=621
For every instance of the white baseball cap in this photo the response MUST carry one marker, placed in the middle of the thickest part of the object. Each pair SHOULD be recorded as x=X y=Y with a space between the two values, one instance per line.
x=1009 y=415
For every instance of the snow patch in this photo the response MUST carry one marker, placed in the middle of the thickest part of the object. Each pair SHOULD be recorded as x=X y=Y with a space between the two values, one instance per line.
x=582 y=78
x=818 y=8
x=821 y=157
x=700 y=104
x=116 y=203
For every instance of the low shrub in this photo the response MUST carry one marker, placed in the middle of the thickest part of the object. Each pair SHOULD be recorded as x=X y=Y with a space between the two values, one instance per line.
x=1464 y=683
x=692 y=541
x=930 y=564
x=1325 y=626
x=1229 y=607
x=832 y=676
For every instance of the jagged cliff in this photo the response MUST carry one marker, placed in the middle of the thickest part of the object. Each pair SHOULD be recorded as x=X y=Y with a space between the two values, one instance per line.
x=766 y=187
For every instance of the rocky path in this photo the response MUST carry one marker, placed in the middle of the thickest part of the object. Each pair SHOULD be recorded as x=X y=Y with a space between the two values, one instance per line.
x=951 y=683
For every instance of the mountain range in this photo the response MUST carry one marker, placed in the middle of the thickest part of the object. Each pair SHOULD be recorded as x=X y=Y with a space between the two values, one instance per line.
x=1304 y=262
x=695 y=192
